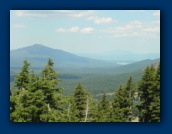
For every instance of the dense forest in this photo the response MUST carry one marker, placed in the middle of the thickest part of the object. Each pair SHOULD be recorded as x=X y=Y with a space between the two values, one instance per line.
x=38 y=98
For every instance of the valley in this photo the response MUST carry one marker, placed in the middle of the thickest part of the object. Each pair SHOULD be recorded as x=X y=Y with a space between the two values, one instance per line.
x=97 y=76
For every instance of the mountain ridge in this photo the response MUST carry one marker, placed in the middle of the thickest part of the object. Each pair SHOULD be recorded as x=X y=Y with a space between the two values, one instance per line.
x=38 y=55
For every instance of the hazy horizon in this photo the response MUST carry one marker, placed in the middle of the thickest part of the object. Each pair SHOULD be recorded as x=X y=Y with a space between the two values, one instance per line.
x=121 y=58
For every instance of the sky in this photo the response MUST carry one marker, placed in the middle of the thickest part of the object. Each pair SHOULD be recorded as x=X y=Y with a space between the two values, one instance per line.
x=87 y=31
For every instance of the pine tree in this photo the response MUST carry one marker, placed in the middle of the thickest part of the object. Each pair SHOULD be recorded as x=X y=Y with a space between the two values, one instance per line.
x=48 y=83
x=14 y=102
x=27 y=105
x=49 y=74
x=93 y=111
x=71 y=110
x=146 y=94
x=120 y=106
x=23 y=78
x=41 y=101
x=80 y=97
x=21 y=81
x=154 y=108
x=130 y=95
x=103 y=113
x=53 y=95
x=50 y=115
x=117 y=115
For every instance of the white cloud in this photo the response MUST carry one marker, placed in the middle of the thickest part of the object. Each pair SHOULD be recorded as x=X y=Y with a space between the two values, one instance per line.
x=61 y=30
x=103 y=20
x=87 y=30
x=130 y=26
x=135 y=11
x=81 y=13
x=19 y=13
x=120 y=35
x=100 y=20
x=29 y=13
x=135 y=29
x=136 y=22
x=135 y=33
x=19 y=26
x=54 y=13
x=73 y=29
x=156 y=22
x=156 y=13
x=152 y=29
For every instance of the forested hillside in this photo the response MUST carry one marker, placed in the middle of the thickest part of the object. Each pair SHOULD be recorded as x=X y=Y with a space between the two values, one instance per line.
x=39 y=98
x=96 y=80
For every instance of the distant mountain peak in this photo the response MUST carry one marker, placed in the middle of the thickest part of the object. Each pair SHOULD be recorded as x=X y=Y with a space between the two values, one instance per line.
x=38 y=45
x=38 y=54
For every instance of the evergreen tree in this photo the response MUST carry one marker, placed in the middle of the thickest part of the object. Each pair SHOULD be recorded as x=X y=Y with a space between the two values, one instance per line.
x=80 y=97
x=13 y=104
x=53 y=95
x=103 y=114
x=27 y=105
x=120 y=106
x=154 y=107
x=71 y=110
x=146 y=93
x=41 y=101
x=23 y=78
x=48 y=83
x=93 y=111
x=49 y=74
x=50 y=115
x=21 y=81
x=130 y=95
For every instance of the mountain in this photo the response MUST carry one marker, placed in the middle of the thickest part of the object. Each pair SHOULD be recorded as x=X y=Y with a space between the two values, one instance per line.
x=38 y=56
x=137 y=66
x=97 y=76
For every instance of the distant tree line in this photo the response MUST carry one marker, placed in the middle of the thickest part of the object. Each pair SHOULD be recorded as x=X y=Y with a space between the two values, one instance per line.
x=38 y=99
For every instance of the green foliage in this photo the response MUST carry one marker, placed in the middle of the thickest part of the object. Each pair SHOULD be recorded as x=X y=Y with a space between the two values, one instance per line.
x=23 y=78
x=80 y=97
x=123 y=103
x=26 y=106
x=149 y=92
x=104 y=109
x=38 y=98
x=130 y=92
x=41 y=99
x=121 y=106
x=154 y=107
x=104 y=80
x=71 y=109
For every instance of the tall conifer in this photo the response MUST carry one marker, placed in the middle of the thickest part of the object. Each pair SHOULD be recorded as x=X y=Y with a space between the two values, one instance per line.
x=80 y=97
x=22 y=79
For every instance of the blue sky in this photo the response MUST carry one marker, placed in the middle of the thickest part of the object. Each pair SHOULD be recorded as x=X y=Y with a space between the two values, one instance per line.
x=87 y=31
